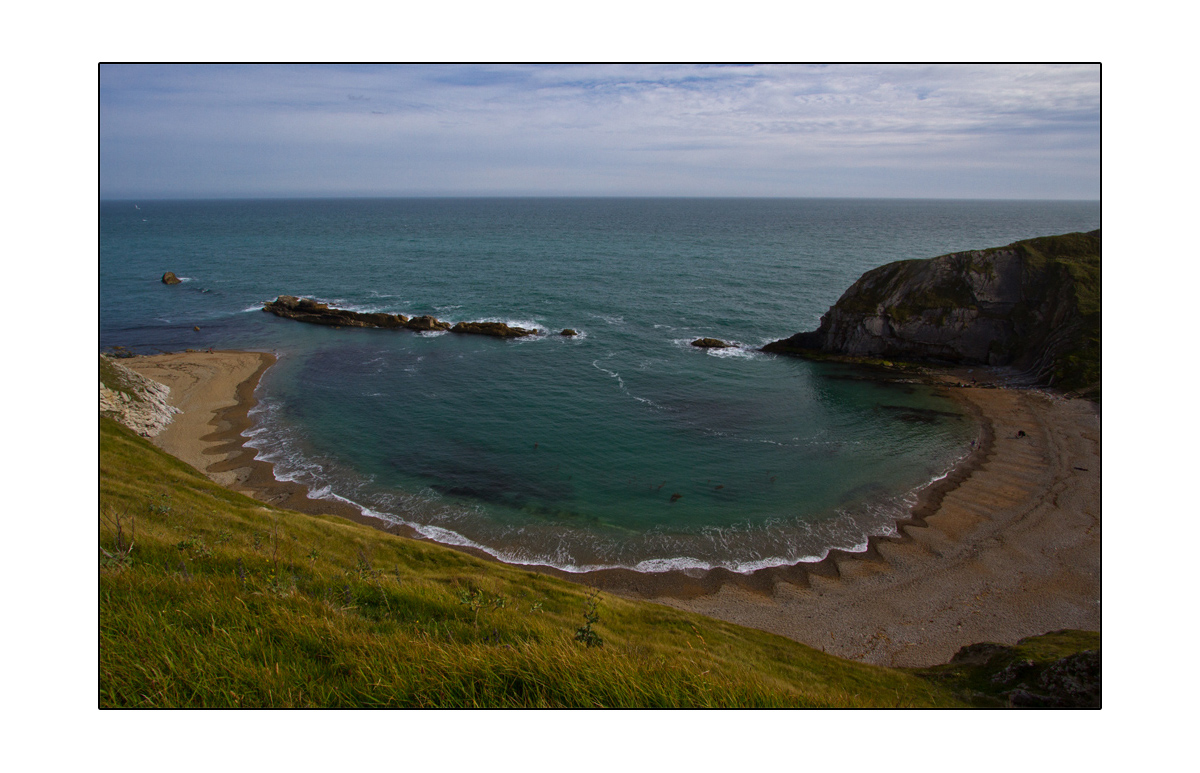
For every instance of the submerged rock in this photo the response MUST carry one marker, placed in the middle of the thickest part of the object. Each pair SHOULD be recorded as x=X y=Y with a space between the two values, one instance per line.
x=711 y=343
x=169 y=278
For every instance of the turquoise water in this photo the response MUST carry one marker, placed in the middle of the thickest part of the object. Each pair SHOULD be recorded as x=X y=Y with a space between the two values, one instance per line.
x=567 y=451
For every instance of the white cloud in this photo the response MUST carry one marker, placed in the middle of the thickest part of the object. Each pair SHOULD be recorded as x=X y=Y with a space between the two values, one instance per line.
x=639 y=130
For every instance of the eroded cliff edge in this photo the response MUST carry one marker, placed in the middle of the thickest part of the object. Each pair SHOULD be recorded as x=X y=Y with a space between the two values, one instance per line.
x=1033 y=305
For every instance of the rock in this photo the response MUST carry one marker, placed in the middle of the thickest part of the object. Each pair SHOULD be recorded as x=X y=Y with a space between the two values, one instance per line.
x=568 y=332
x=1033 y=305
x=497 y=329
x=1024 y=699
x=427 y=322
x=308 y=310
x=169 y=278
x=196 y=328
x=676 y=497
x=134 y=400
x=711 y=343
x=1074 y=679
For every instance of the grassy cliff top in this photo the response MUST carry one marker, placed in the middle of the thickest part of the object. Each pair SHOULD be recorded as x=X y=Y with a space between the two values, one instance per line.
x=209 y=598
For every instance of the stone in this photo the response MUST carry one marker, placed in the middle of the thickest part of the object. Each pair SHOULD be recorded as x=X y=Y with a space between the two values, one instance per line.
x=169 y=278
x=711 y=343
x=568 y=332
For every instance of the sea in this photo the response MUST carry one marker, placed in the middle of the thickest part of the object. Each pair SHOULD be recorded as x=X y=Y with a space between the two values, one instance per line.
x=622 y=446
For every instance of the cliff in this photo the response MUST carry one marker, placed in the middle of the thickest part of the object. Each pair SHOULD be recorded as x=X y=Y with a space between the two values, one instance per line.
x=134 y=400
x=1033 y=305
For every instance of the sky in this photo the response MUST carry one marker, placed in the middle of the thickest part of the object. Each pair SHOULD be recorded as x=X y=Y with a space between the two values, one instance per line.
x=891 y=131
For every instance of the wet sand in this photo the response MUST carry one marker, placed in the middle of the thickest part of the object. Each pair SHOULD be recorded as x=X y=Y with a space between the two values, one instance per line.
x=1007 y=546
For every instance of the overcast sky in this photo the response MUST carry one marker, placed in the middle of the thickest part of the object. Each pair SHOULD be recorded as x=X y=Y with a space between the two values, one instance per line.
x=936 y=131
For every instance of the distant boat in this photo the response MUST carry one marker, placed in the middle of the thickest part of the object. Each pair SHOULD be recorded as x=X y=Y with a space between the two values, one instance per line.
x=135 y=206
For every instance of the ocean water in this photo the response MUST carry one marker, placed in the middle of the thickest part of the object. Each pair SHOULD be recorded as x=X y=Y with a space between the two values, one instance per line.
x=623 y=446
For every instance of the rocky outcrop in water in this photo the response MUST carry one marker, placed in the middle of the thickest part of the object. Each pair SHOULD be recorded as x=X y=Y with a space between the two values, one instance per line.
x=134 y=400
x=169 y=278
x=308 y=310
x=1033 y=305
x=711 y=343
x=496 y=329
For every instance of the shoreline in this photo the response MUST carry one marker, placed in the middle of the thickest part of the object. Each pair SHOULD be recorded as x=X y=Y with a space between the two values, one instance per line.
x=979 y=558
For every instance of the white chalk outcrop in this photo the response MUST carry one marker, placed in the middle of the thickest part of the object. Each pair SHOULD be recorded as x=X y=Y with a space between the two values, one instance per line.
x=136 y=401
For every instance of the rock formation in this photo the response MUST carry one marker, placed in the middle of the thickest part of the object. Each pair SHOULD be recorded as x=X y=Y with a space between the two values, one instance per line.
x=308 y=310
x=497 y=329
x=711 y=343
x=169 y=278
x=568 y=332
x=134 y=400
x=1033 y=305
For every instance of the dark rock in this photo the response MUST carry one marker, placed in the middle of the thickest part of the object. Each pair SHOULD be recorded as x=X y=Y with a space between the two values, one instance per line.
x=496 y=329
x=426 y=323
x=675 y=497
x=1012 y=671
x=1024 y=699
x=169 y=278
x=196 y=328
x=711 y=343
x=308 y=310
x=568 y=332
x=1074 y=679
x=1033 y=305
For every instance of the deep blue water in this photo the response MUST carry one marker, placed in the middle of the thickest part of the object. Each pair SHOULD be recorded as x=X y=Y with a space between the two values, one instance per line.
x=556 y=450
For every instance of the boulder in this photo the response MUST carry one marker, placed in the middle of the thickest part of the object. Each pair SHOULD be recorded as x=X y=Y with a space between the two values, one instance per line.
x=711 y=343
x=568 y=332
x=169 y=278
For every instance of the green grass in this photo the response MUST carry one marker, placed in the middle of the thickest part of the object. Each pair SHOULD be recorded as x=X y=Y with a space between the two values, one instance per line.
x=209 y=598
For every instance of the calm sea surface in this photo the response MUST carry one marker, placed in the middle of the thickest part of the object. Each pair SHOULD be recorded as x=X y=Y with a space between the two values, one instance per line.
x=567 y=451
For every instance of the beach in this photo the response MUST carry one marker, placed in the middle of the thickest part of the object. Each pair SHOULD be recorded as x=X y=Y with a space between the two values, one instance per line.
x=1006 y=546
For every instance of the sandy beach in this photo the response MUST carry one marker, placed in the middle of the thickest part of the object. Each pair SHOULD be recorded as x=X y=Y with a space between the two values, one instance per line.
x=1005 y=547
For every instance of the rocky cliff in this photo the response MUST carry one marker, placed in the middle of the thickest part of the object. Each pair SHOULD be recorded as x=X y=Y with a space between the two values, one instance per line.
x=134 y=400
x=1033 y=305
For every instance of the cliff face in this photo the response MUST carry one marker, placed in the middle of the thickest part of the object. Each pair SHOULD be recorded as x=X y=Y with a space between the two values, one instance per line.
x=1034 y=305
x=134 y=400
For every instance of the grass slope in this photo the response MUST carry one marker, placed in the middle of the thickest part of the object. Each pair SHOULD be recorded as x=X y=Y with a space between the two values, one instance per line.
x=209 y=598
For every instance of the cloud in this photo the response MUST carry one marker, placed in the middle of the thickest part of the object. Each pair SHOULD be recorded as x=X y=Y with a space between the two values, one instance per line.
x=636 y=130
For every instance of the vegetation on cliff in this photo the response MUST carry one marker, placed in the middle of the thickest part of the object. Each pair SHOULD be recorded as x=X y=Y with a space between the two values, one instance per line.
x=209 y=598
x=1033 y=305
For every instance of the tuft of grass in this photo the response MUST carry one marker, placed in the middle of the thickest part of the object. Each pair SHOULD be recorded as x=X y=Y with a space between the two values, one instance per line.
x=226 y=602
